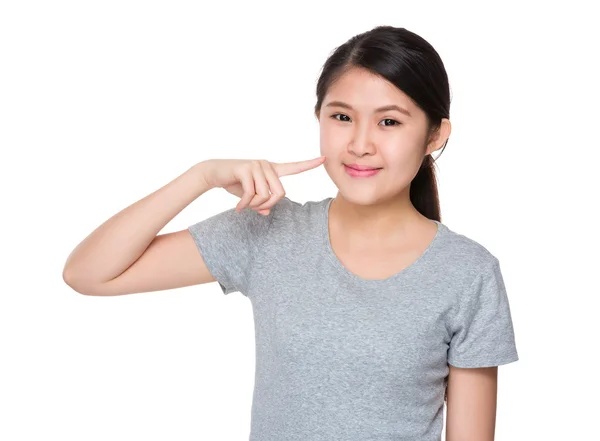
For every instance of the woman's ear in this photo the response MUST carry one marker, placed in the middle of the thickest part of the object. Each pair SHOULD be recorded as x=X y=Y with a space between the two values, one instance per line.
x=440 y=136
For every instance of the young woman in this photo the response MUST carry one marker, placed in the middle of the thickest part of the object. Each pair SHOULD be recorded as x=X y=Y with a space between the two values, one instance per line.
x=369 y=311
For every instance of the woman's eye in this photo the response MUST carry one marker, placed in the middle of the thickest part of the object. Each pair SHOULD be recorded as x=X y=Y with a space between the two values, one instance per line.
x=339 y=114
x=393 y=122
x=390 y=122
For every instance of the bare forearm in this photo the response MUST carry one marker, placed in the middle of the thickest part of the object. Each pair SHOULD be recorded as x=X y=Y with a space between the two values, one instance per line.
x=116 y=244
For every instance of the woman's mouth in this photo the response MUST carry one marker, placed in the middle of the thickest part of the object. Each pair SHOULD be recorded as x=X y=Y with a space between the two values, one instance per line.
x=361 y=173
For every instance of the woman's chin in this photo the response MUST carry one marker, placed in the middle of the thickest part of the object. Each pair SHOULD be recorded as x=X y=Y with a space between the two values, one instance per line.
x=359 y=197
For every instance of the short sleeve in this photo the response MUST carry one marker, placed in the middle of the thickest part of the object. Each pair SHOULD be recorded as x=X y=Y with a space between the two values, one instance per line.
x=229 y=242
x=482 y=330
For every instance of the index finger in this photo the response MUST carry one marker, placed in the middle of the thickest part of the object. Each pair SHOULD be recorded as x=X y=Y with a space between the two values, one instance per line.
x=292 y=168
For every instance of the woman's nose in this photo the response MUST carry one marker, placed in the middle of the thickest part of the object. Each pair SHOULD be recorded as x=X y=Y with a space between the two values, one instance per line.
x=361 y=142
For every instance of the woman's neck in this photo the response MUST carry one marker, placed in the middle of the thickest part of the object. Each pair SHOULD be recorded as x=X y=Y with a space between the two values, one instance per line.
x=376 y=223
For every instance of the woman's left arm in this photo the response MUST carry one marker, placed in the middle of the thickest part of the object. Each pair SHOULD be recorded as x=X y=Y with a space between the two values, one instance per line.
x=471 y=403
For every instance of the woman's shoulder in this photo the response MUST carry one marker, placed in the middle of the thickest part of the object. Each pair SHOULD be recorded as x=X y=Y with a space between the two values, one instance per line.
x=464 y=250
x=306 y=205
x=287 y=207
x=292 y=218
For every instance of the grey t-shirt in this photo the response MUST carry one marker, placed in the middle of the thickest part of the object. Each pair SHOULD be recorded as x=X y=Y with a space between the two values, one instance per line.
x=339 y=357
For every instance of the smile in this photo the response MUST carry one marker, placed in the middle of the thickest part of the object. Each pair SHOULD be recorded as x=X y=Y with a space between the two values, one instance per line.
x=361 y=173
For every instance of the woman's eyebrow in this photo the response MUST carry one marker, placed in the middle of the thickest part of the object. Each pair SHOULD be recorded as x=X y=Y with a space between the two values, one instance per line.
x=379 y=109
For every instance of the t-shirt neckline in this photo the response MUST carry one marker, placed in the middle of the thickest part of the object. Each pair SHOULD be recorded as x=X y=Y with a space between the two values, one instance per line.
x=420 y=261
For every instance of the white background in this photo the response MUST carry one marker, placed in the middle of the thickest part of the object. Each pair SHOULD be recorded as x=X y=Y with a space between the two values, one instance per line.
x=101 y=103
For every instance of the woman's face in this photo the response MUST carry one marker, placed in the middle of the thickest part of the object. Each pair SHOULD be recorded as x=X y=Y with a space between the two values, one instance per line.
x=354 y=131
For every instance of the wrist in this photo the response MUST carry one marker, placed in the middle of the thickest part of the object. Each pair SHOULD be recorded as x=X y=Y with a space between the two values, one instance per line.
x=199 y=171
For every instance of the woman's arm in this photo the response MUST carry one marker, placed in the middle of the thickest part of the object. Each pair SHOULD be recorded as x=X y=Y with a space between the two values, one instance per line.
x=124 y=255
x=471 y=404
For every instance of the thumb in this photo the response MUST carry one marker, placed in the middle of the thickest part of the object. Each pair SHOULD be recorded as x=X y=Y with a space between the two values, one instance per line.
x=292 y=168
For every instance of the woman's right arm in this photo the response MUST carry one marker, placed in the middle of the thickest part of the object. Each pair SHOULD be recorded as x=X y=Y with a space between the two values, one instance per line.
x=125 y=254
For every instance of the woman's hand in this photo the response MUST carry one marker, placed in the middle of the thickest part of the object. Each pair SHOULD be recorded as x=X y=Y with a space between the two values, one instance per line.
x=255 y=181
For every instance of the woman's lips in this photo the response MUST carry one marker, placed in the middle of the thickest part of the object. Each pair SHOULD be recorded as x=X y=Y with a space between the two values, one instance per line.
x=361 y=173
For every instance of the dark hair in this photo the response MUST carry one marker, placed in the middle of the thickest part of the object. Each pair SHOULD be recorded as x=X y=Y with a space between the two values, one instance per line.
x=410 y=63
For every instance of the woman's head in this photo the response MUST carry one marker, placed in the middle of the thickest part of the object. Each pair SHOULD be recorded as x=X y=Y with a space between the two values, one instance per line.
x=377 y=69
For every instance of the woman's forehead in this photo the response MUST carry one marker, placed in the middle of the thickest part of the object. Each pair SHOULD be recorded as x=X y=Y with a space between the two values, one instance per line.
x=363 y=90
